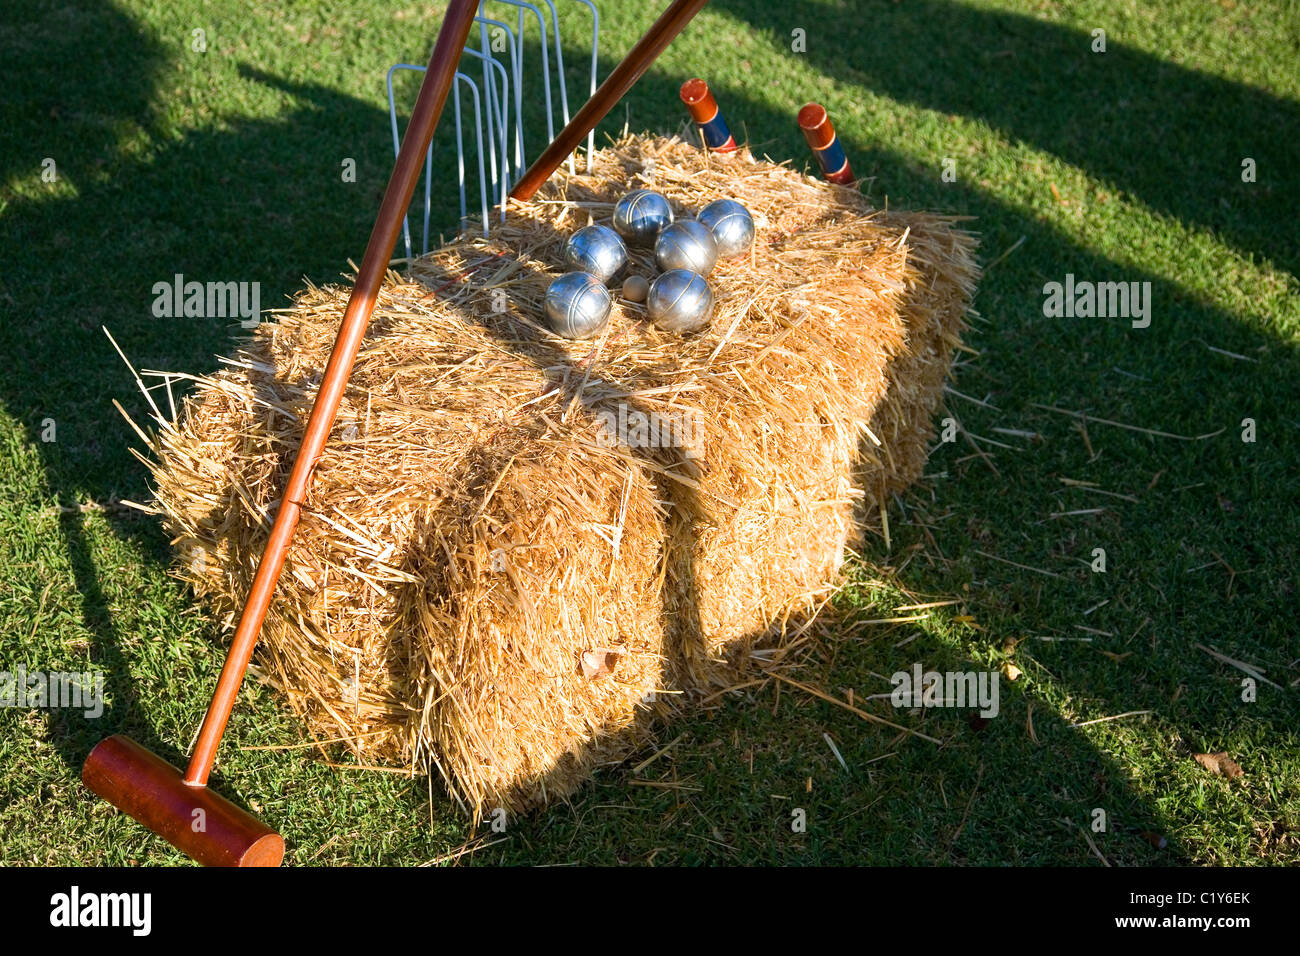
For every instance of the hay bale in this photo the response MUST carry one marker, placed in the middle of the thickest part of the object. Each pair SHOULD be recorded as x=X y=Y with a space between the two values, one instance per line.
x=482 y=580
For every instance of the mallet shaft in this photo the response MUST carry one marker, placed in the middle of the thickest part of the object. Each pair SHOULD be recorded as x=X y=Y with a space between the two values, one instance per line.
x=379 y=250
x=638 y=60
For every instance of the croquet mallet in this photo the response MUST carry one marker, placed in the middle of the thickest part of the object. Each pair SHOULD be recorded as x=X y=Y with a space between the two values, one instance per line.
x=180 y=807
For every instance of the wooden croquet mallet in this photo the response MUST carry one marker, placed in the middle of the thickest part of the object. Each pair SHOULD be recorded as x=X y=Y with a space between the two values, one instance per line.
x=619 y=81
x=181 y=808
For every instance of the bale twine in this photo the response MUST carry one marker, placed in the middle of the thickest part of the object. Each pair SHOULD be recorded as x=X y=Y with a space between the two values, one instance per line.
x=489 y=579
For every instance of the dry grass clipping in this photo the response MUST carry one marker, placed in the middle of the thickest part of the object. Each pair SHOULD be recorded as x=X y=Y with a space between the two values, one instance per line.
x=481 y=581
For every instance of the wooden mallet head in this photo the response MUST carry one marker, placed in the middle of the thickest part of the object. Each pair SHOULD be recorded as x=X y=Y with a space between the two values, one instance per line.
x=197 y=821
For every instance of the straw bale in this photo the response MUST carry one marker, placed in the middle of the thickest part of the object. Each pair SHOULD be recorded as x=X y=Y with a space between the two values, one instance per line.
x=484 y=581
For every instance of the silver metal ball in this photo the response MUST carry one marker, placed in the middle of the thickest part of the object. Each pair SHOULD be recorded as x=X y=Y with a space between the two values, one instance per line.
x=686 y=245
x=577 y=305
x=597 y=250
x=641 y=215
x=731 y=225
x=680 y=301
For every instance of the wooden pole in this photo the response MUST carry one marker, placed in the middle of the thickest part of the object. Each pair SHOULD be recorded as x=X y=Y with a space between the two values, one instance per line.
x=661 y=33
x=370 y=277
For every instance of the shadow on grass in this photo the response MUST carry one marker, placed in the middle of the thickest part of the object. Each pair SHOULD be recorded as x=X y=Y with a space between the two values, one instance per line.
x=1169 y=137
x=262 y=201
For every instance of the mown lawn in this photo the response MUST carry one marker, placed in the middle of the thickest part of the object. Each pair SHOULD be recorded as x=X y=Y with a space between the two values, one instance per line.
x=1125 y=165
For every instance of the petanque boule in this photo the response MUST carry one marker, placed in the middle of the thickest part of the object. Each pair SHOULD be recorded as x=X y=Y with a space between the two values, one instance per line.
x=577 y=305
x=597 y=250
x=686 y=245
x=680 y=301
x=641 y=215
x=636 y=288
x=730 y=224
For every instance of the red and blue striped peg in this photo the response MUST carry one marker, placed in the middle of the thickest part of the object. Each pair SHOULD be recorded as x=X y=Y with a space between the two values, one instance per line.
x=819 y=132
x=704 y=110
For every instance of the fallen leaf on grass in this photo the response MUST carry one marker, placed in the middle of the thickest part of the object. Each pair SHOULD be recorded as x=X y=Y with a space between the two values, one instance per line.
x=1219 y=763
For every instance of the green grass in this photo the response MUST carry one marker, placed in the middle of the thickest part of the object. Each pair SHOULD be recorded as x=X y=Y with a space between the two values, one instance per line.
x=225 y=165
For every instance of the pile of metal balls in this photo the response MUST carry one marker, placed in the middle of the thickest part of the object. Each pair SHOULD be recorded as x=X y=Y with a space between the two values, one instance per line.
x=679 y=299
